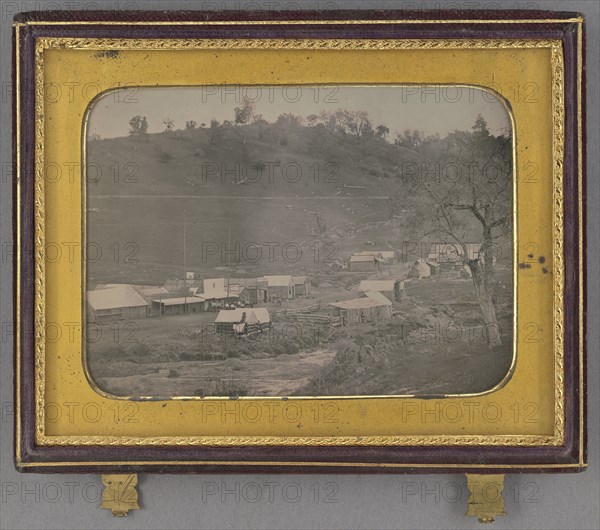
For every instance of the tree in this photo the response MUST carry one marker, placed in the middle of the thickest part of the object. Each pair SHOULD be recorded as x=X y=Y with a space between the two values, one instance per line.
x=354 y=123
x=468 y=192
x=138 y=126
x=382 y=131
x=260 y=121
x=190 y=124
x=214 y=131
x=409 y=139
x=169 y=124
x=480 y=126
x=312 y=120
x=245 y=112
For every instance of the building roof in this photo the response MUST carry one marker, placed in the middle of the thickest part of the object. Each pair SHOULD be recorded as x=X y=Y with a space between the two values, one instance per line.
x=376 y=295
x=220 y=295
x=146 y=291
x=150 y=290
x=385 y=254
x=360 y=258
x=376 y=285
x=361 y=303
x=255 y=315
x=180 y=300
x=299 y=279
x=245 y=282
x=176 y=284
x=278 y=281
x=115 y=297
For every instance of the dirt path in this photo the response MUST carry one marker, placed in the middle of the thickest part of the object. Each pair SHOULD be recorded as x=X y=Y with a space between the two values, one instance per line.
x=273 y=376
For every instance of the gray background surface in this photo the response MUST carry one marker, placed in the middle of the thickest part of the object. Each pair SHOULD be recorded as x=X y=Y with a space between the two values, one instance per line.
x=290 y=501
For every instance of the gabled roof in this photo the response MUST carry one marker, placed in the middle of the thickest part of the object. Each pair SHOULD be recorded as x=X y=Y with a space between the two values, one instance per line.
x=255 y=315
x=376 y=295
x=376 y=285
x=175 y=285
x=299 y=279
x=115 y=297
x=146 y=291
x=219 y=295
x=385 y=254
x=245 y=282
x=278 y=281
x=359 y=258
x=180 y=300
x=150 y=290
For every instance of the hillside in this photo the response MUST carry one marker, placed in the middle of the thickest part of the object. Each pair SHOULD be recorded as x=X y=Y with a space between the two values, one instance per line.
x=261 y=185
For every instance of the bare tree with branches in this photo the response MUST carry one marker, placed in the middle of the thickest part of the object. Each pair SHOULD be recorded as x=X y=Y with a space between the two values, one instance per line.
x=466 y=188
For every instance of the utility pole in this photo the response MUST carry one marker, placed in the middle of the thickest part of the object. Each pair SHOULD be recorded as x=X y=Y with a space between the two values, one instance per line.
x=228 y=271
x=185 y=261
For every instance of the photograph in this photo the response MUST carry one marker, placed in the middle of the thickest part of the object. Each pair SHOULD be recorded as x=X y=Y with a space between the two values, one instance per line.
x=298 y=240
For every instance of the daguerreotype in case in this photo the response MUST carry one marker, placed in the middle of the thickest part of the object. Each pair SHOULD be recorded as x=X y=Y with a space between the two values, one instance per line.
x=279 y=241
x=300 y=241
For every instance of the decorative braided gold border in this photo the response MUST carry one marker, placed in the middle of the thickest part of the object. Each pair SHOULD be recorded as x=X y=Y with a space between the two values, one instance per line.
x=346 y=44
x=558 y=114
x=290 y=44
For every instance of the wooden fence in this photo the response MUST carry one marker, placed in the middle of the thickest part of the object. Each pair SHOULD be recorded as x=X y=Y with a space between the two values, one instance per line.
x=297 y=311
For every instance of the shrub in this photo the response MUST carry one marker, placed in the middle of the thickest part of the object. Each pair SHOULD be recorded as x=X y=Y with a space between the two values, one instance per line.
x=165 y=157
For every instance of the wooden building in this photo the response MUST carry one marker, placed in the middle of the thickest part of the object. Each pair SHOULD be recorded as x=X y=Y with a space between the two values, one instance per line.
x=251 y=290
x=393 y=290
x=242 y=321
x=419 y=269
x=386 y=256
x=218 y=293
x=279 y=287
x=301 y=285
x=360 y=263
x=363 y=310
x=450 y=255
x=181 y=305
x=116 y=303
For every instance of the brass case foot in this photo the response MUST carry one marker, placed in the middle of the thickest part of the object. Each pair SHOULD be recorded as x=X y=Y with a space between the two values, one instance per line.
x=485 y=500
x=120 y=494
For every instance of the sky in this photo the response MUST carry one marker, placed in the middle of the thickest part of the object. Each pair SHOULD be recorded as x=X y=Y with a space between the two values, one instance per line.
x=428 y=108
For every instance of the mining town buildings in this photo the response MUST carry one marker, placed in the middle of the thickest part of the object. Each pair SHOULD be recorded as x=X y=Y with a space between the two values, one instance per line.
x=419 y=269
x=242 y=321
x=386 y=256
x=181 y=305
x=218 y=293
x=251 y=290
x=450 y=255
x=393 y=290
x=363 y=310
x=360 y=263
x=279 y=288
x=114 y=303
x=301 y=285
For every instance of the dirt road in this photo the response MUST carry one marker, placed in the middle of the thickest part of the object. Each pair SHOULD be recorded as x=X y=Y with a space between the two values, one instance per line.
x=273 y=376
